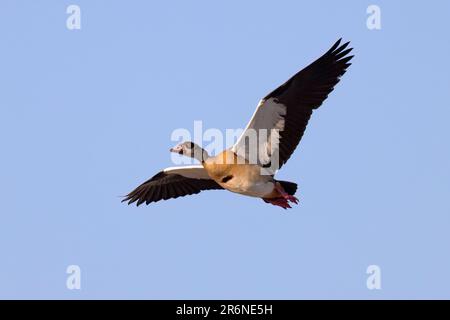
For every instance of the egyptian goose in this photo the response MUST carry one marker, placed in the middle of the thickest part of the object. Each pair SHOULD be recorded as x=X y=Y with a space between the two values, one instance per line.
x=283 y=114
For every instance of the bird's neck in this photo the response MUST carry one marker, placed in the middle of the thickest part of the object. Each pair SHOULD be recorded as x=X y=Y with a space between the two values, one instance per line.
x=200 y=154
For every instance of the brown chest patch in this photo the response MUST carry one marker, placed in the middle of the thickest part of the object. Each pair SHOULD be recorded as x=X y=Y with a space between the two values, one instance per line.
x=227 y=178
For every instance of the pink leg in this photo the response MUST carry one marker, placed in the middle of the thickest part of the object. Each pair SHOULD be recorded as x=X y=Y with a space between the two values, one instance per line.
x=285 y=195
x=280 y=202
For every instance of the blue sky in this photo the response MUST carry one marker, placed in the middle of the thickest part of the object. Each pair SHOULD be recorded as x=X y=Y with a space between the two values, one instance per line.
x=86 y=115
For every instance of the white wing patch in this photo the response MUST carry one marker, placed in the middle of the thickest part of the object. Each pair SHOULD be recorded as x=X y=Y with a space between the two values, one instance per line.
x=261 y=137
x=193 y=172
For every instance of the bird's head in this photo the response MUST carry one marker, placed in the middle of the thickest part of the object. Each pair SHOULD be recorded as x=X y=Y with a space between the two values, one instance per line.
x=190 y=149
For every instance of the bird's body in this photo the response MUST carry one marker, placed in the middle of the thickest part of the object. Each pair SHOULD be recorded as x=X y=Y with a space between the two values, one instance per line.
x=235 y=174
x=270 y=138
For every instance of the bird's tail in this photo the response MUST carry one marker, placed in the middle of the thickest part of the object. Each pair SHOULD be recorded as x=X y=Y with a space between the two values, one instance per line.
x=289 y=187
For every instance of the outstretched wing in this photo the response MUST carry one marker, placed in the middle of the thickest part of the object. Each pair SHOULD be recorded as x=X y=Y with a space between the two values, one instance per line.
x=172 y=183
x=284 y=113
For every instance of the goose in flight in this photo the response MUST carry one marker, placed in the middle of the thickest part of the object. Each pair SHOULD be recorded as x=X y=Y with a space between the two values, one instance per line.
x=248 y=168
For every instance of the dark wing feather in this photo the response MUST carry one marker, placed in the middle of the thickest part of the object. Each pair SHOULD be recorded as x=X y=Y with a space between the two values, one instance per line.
x=165 y=186
x=306 y=91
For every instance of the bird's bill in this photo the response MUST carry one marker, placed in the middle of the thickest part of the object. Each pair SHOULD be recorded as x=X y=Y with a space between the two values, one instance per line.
x=177 y=149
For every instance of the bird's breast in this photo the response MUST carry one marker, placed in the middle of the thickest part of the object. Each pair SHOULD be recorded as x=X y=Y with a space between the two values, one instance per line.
x=244 y=179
